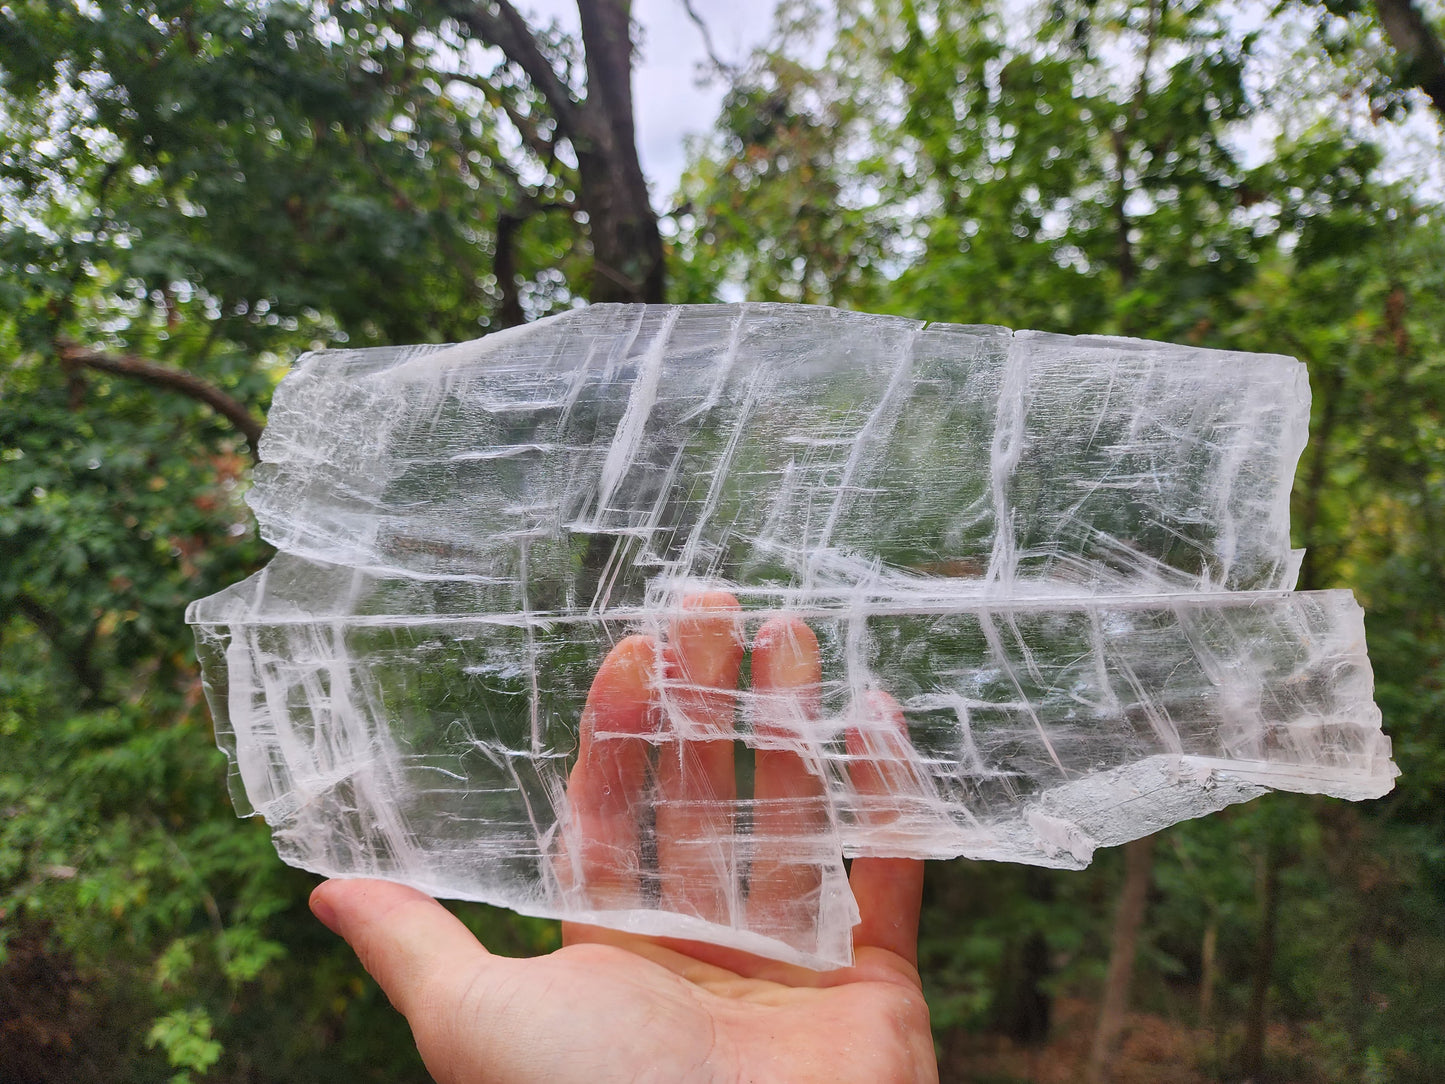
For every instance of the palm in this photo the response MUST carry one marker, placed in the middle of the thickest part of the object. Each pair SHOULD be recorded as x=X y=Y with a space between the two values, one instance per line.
x=616 y=1006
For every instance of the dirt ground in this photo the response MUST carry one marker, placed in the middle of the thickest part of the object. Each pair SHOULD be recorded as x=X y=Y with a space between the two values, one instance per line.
x=1152 y=1050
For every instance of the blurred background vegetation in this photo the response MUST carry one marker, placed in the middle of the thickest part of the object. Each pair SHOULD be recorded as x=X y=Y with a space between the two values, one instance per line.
x=196 y=191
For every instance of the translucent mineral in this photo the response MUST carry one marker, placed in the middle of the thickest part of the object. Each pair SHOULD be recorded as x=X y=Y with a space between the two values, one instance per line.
x=1050 y=581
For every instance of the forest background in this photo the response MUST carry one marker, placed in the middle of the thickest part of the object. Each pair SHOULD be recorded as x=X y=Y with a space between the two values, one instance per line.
x=196 y=191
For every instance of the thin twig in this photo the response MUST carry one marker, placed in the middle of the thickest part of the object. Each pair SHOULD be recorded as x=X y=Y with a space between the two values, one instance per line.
x=721 y=65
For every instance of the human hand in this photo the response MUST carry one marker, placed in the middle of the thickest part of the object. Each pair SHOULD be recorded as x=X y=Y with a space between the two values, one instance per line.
x=614 y=1006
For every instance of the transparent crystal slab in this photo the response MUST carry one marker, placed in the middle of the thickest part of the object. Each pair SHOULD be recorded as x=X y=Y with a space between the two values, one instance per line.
x=1065 y=560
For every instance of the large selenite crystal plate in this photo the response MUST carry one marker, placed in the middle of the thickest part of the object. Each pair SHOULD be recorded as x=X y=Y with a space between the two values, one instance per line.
x=1067 y=560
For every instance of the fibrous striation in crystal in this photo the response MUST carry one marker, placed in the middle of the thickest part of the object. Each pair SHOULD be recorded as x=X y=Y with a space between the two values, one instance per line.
x=1065 y=560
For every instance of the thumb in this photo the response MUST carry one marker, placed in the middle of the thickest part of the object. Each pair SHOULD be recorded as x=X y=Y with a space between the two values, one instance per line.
x=416 y=950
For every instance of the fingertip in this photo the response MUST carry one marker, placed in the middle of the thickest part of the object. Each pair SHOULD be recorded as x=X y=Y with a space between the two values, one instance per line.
x=320 y=904
x=716 y=601
x=405 y=939
x=345 y=903
x=632 y=662
x=705 y=641
x=877 y=723
x=785 y=654
x=882 y=705
x=622 y=693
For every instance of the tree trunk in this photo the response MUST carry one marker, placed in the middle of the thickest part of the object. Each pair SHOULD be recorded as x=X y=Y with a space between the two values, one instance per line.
x=1251 y=1057
x=1208 y=970
x=627 y=260
x=1133 y=899
x=1329 y=382
x=627 y=263
x=504 y=266
x=1419 y=49
x=1023 y=1008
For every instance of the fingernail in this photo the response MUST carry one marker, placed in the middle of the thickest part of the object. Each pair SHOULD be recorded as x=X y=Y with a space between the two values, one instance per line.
x=324 y=911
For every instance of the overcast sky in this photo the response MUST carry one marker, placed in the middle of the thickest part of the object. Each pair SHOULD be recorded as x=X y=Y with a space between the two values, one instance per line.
x=668 y=102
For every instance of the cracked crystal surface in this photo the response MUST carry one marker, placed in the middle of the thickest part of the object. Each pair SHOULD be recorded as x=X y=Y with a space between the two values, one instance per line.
x=1049 y=580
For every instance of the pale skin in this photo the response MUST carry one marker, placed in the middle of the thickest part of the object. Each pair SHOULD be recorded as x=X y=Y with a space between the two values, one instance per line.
x=609 y=1006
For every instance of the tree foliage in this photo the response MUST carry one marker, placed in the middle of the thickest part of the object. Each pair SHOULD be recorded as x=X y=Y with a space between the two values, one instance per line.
x=195 y=191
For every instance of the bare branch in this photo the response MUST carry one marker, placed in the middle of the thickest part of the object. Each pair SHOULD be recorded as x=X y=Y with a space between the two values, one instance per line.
x=721 y=65
x=498 y=23
x=74 y=356
x=1418 y=46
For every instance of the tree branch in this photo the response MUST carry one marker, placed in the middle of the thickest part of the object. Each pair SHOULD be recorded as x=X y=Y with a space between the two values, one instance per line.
x=531 y=134
x=49 y=624
x=504 y=266
x=498 y=23
x=1418 y=46
x=73 y=356
x=504 y=259
x=721 y=65
x=1128 y=269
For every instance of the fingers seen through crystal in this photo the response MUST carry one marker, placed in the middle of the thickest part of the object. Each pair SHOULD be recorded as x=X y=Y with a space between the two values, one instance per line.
x=601 y=844
x=696 y=783
x=788 y=808
x=688 y=688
